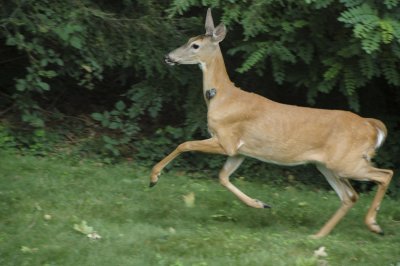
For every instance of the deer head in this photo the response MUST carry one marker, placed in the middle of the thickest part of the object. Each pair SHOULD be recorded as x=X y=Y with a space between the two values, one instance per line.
x=198 y=49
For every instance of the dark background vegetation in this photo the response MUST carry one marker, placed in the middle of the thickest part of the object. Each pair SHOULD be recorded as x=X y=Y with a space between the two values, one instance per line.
x=86 y=78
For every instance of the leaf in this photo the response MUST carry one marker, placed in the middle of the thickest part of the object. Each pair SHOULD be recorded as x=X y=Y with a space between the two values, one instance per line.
x=33 y=119
x=28 y=250
x=44 y=62
x=109 y=140
x=390 y=71
x=320 y=252
x=302 y=204
x=94 y=236
x=278 y=70
x=333 y=71
x=391 y=3
x=76 y=42
x=97 y=116
x=87 y=68
x=48 y=73
x=11 y=41
x=87 y=230
x=40 y=133
x=189 y=200
x=59 y=62
x=120 y=105
x=387 y=31
x=255 y=57
x=43 y=85
x=368 y=67
x=372 y=43
x=114 y=125
x=83 y=228
x=21 y=85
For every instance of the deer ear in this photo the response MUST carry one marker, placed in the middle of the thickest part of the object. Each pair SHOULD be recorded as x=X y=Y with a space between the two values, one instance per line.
x=219 y=33
x=209 y=23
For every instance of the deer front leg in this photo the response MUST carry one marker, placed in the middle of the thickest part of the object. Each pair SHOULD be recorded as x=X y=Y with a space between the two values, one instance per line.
x=207 y=146
x=230 y=166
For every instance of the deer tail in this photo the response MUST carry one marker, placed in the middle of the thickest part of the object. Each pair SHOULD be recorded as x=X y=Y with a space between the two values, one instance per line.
x=381 y=131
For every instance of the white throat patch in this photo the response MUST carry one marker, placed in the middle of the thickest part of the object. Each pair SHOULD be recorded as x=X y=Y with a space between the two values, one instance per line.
x=202 y=66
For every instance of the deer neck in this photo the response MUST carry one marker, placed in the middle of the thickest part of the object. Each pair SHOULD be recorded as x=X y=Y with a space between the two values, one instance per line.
x=215 y=74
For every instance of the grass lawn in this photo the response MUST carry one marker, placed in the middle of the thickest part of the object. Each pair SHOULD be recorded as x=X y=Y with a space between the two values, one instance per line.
x=184 y=220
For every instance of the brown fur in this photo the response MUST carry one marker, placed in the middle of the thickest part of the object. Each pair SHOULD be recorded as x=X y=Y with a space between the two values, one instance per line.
x=340 y=143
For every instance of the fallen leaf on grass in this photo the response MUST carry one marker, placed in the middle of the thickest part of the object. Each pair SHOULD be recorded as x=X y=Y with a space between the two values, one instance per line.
x=189 y=200
x=320 y=252
x=302 y=204
x=87 y=230
x=94 y=236
x=83 y=228
x=28 y=250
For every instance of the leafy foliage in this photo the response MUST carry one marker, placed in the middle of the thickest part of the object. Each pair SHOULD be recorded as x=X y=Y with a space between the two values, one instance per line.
x=72 y=48
x=299 y=35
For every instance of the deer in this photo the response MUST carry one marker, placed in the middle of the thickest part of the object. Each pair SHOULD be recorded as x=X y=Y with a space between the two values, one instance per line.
x=241 y=124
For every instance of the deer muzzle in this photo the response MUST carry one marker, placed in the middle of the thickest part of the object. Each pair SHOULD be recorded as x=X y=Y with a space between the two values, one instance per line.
x=169 y=60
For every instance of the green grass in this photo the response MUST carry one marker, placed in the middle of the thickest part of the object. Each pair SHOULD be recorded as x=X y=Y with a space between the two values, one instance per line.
x=41 y=199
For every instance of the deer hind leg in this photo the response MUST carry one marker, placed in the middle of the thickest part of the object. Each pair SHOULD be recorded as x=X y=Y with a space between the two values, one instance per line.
x=382 y=177
x=207 y=146
x=347 y=195
x=231 y=164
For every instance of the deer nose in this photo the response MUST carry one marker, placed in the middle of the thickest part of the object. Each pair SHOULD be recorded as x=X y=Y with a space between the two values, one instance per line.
x=169 y=60
x=166 y=58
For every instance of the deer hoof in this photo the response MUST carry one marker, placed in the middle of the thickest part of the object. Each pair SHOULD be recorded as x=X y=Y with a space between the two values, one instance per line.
x=374 y=227
x=152 y=184
x=266 y=206
x=262 y=205
x=154 y=177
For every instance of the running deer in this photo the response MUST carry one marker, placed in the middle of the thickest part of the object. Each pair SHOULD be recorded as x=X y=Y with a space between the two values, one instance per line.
x=340 y=143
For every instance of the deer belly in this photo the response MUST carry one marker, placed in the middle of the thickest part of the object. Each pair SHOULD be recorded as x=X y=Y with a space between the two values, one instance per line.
x=275 y=154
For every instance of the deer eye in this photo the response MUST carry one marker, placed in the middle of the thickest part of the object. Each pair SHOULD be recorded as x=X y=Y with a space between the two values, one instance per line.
x=195 y=46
